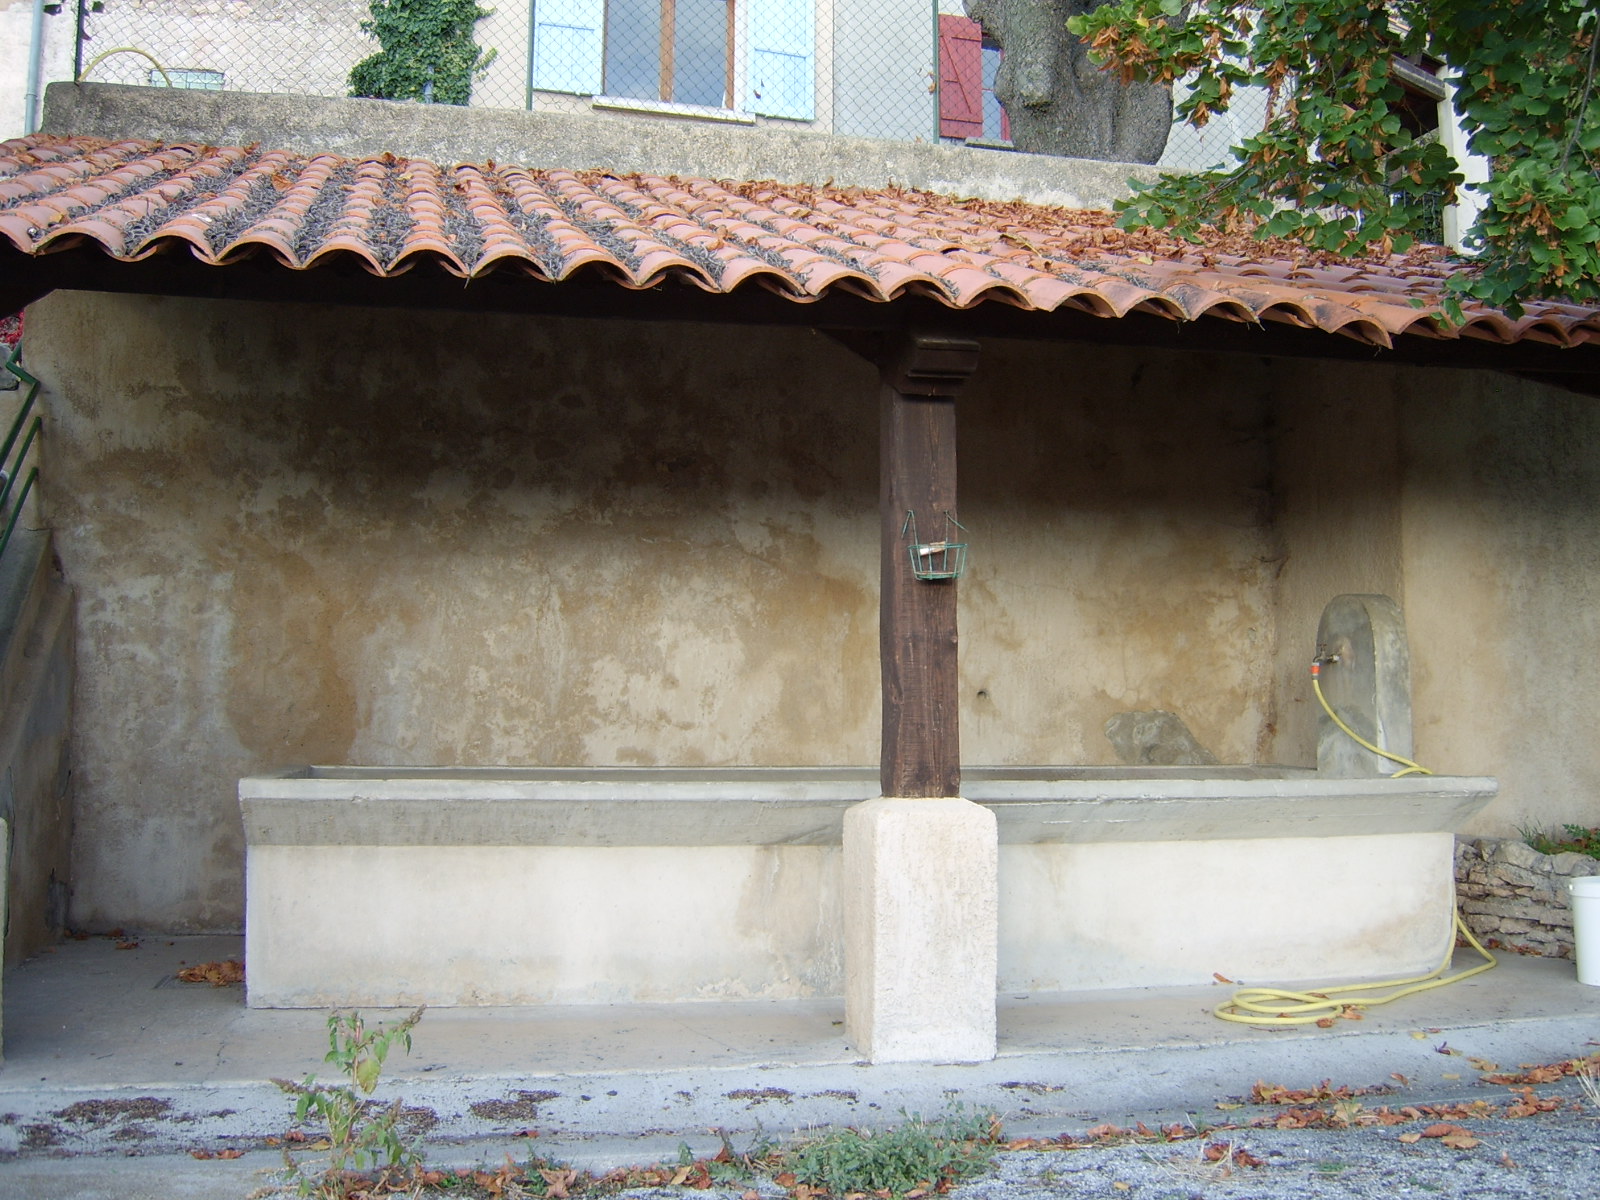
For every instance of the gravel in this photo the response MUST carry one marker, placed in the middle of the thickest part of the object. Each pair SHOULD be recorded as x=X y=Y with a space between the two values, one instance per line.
x=1552 y=1156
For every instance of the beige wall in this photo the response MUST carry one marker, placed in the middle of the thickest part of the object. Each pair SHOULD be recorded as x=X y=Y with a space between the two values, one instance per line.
x=1474 y=500
x=1118 y=504
x=1502 y=550
x=1336 y=474
x=343 y=535
x=340 y=535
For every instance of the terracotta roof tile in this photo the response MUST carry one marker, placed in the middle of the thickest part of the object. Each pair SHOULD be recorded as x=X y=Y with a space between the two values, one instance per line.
x=134 y=199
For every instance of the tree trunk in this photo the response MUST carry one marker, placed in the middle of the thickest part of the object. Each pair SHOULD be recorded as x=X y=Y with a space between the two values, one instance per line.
x=1058 y=101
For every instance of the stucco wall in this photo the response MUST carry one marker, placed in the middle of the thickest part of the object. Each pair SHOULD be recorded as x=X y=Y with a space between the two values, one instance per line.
x=1502 y=548
x=1474 y=500
x=340 y=535
x=16 y=44
x=1336 y=480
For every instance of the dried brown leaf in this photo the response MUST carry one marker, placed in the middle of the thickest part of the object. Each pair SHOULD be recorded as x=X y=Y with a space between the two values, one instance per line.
x=217 y=974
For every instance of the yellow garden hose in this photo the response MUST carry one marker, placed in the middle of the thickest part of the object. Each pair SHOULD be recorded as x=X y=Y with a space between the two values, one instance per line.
x=1411 y=768
x=1281 y=1006
x=105 y=54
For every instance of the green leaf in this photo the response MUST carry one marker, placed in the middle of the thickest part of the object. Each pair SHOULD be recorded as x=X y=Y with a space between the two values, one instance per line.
x=1340 y=144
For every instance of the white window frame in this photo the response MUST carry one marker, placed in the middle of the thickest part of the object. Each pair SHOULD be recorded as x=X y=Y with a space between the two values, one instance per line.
x=576 y=29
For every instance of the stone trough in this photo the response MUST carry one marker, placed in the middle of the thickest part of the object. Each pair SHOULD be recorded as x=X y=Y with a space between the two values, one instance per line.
x=498 y=886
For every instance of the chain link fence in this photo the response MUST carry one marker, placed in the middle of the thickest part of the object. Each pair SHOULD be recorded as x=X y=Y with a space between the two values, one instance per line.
x=904 y=70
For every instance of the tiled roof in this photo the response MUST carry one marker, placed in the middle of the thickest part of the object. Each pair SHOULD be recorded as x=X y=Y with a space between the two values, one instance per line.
x=134 y=199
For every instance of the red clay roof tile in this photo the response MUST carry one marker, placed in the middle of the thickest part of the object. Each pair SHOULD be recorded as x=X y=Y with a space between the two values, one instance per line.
x=135 y=199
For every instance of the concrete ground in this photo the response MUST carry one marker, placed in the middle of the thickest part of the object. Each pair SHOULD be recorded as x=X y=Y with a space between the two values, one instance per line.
x=115 y=1072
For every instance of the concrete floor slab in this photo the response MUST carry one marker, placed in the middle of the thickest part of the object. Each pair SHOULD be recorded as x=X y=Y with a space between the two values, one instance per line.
x=108 y=1054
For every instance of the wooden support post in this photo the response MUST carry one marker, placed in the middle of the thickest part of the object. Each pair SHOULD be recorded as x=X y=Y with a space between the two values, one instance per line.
x=917 y=640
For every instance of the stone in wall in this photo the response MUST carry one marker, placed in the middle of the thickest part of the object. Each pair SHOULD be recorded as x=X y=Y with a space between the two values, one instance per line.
x=1513 y=897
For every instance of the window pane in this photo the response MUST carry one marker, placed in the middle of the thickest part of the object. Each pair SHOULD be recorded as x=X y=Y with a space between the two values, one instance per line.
x=633 y=49
x=994 y=121
x=700 y=52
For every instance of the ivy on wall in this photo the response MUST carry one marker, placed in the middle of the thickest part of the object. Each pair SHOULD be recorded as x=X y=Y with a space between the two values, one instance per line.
x=428 y=51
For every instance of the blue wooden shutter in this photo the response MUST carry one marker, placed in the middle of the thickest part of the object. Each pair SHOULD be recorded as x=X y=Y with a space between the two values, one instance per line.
x=566 y=45
x=782 y=53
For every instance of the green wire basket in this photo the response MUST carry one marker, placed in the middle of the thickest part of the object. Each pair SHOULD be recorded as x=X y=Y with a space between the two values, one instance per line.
x=945 y=559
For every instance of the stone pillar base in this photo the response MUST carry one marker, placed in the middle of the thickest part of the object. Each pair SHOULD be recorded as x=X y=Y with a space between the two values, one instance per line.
x=921 y=921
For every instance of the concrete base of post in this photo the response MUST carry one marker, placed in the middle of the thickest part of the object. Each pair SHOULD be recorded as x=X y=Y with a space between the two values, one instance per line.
x=921 y=921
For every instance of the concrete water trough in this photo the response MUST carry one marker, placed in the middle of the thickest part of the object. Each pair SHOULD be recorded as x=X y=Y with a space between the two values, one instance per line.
x=500 y=886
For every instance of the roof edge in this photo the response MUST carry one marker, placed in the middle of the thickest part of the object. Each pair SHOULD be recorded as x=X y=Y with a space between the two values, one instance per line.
x=447 y=134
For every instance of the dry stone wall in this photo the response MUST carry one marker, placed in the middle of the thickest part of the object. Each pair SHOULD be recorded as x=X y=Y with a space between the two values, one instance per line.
x=1513 y=896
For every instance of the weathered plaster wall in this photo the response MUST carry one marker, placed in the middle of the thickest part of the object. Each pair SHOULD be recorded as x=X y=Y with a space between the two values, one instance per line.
x=1336 y=475
x=1502 y=548
x=16 y=44
x=1122 y=558
x=1474 y=500
x=337 y=535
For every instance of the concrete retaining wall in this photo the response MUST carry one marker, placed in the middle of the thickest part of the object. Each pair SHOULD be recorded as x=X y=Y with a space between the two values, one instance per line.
x=577 y=141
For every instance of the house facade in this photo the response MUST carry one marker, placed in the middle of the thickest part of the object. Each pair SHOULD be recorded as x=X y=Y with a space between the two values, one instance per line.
x=900 y=70
x=825 y=66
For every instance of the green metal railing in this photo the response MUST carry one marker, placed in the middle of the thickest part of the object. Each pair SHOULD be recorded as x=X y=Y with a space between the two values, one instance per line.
x=11 y=464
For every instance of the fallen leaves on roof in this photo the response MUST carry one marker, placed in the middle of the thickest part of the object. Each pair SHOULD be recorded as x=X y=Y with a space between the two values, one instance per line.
x=136 y=199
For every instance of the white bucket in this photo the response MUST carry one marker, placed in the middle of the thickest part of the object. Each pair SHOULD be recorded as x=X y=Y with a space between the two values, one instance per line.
x=1585 y=901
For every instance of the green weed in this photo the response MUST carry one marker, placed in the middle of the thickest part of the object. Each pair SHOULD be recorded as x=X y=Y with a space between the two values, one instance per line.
x=1576 y=839
x=1589 y=1080
x=917 y=1155
x=358 y=1137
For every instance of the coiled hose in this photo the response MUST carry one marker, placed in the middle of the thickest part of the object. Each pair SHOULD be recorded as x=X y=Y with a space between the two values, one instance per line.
x=1283 y=1006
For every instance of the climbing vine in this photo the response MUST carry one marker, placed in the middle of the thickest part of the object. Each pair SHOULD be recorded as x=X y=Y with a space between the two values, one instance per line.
x=428 y=52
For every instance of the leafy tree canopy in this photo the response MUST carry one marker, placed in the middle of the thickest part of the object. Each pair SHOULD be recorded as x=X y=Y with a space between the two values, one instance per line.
x=1335 y=166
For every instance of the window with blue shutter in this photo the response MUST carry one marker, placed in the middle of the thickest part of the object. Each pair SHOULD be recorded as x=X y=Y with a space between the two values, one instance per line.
x=567 y=49
x=782 y=54
x=679 y=51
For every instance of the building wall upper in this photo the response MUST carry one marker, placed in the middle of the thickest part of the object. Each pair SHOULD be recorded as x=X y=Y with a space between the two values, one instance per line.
x=851 y=68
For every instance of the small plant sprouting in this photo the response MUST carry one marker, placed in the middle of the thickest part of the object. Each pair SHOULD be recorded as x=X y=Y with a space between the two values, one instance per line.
x=916 y=1155
x=1588 y=1073
x=1576 y=839
x=358 y=1138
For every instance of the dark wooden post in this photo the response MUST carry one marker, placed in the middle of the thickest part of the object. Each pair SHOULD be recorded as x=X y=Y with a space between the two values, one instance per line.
x=917 y=619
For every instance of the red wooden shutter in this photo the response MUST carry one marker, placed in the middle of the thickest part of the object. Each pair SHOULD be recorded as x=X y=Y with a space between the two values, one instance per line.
x=960 y=77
